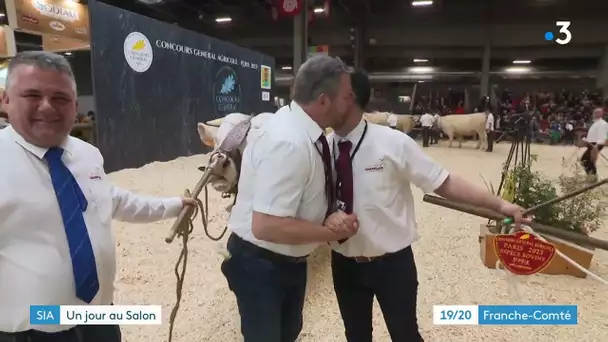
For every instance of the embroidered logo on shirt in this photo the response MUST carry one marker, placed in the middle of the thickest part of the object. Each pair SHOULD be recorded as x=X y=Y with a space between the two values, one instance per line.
x=374 y=168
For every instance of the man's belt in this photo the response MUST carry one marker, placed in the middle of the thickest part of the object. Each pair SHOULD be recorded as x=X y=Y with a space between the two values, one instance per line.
x=249 y=248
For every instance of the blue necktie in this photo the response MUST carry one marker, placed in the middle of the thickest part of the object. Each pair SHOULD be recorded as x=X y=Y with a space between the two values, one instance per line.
x=73 y=204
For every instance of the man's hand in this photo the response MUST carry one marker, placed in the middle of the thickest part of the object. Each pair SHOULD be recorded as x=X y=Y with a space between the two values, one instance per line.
x=343 y=225
x=516 y=212
x=187 y=201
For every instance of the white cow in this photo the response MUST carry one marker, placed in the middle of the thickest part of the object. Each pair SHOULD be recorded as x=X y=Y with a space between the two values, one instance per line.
x=460 y=125
x=214 y=132
x=404 y=123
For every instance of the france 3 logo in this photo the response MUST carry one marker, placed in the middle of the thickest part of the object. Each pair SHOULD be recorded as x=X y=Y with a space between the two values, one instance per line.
x=564 y=35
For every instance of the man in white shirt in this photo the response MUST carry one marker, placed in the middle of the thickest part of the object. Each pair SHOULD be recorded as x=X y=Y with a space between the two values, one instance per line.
x=569 y=133
x=435 y=129
x=426 y=120
x=597 y=138
x=375 y=167
x=56 y=206
x=285 y=195
x=490 y=130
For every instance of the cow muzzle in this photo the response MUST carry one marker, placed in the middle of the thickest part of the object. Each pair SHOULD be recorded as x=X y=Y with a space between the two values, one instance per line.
x=224 y=177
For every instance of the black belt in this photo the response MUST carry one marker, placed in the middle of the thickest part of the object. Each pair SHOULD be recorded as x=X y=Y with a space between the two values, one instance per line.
x=236 y=244
x=364 y=259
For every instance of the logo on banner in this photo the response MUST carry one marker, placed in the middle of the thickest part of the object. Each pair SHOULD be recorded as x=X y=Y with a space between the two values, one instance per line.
x=226 y=92
x=265 y=76
x=54 y=11
x=57 y=26
x=138 y=52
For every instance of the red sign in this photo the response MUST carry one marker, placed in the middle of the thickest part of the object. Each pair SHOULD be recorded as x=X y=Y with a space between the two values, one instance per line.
x=290 y=8
x=523 y=253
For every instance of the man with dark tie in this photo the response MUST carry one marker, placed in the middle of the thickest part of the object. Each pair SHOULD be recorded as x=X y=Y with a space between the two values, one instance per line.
x=56 y=206
x=375 y=166
x=285 y=198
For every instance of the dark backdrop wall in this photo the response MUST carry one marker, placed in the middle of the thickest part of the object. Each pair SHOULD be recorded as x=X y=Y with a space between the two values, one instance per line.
x=153 y=82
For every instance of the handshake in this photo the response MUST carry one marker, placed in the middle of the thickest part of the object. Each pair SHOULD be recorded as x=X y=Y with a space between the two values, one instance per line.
x=342 y=225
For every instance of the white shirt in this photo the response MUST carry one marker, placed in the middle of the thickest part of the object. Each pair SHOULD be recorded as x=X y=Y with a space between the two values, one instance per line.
x=393 y=120
x=35 y=263
x=490 y=122
x=598 y=132
x=426 y=120
x=282 y=175
x=569 y=127
x=383 y=168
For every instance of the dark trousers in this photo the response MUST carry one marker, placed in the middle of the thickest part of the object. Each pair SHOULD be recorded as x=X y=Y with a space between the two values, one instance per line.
x=586 y=161
x=80 y=333
x=425 y=136
x=269 y=293
x=490 y=135
x=569 y=137
x=393 y=280
x=434 y=135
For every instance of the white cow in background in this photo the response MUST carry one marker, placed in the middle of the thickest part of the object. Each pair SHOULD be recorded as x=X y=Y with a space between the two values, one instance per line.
x=460 y=125
x=404 y=122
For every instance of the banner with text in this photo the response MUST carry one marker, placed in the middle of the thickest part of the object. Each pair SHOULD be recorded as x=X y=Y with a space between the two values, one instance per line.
x=65 y=18
x=155 y=81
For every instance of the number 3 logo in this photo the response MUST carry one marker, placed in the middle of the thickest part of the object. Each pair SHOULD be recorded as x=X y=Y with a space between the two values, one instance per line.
x=564 y=30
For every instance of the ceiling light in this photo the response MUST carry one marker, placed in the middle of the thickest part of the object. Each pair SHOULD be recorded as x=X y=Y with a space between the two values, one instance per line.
x=420 y=60
x=421 y=70
x=68 y=54
x=2 y=15
x=517 y=70
x=420 y=81
x=223 y=20
x=286 y=68
x=319 y=10
x=521 y=61
x=422 y=3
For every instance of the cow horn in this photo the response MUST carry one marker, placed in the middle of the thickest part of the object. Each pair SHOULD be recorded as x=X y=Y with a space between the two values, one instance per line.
x=215 y=123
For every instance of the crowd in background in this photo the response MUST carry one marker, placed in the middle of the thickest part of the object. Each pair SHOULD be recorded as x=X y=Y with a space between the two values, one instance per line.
x=559 y=117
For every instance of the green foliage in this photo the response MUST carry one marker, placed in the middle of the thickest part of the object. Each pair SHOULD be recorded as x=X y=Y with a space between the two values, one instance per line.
x=583 y=213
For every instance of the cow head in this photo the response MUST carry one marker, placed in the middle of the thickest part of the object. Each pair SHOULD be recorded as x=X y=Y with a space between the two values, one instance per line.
x=224 y=177
x=212 y=133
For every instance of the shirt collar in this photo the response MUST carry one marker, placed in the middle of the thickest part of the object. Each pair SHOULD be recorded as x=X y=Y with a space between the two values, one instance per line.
x=312 y=129
x=33 y=149
x=353 y=136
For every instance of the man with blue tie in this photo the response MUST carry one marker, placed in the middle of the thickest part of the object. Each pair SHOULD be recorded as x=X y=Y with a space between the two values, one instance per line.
x=56 y=206
x=375 y=166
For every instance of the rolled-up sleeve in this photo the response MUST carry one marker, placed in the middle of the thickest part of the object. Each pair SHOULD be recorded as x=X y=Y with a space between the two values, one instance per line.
x=281 y=170
x=420 y=169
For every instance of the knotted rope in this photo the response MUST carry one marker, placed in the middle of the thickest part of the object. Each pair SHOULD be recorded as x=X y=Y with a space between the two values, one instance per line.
x=203 y=209
x=511 y=279
x=184 y=225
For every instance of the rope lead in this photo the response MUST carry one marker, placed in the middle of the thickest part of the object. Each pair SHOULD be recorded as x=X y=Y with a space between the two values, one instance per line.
x=182 y=261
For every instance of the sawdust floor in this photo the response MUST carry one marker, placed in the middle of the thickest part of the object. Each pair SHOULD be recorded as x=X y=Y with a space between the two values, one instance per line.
x=450 y=271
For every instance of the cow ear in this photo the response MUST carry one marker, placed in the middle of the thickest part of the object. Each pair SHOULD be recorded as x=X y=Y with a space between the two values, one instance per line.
x=207 y=134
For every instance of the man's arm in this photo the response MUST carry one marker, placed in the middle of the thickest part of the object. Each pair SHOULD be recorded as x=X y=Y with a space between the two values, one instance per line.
x=134 y=208
x=130 y=207
x=430 y=177
x=282 y=171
